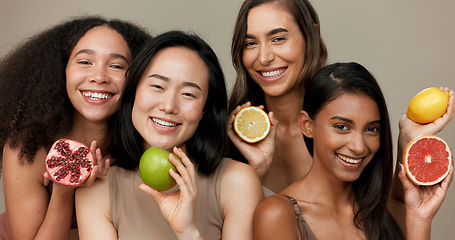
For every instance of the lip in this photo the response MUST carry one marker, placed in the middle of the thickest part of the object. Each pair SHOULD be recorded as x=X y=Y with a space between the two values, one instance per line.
x=349 y=160
x=164 y=125
x=272 y=75
x=96 y=96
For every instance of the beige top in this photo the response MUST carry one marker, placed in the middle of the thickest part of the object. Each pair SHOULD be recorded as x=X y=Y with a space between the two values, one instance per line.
x=135 y=214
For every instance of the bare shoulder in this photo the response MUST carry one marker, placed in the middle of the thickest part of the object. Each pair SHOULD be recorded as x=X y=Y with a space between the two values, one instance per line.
x=274 y=218
x=239 y=179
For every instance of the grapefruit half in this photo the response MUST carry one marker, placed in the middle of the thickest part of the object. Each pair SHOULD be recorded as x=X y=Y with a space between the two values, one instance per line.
x=427 y=160
x=252 y=124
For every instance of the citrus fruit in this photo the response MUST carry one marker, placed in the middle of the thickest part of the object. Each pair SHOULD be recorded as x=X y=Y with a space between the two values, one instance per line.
x=154 y=168
x=427 y=160
x=428 y=105
x=252 y=124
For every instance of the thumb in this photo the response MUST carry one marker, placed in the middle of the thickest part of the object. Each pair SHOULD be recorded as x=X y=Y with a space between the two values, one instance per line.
x=157 y=195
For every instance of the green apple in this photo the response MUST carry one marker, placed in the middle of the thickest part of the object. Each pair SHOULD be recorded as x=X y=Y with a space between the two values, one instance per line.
x=154 y=168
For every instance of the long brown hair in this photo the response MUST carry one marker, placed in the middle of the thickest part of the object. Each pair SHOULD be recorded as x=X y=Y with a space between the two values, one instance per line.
x=245 y=89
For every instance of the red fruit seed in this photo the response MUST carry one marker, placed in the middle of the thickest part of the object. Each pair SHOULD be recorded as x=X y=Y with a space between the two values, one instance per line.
x=69 y=162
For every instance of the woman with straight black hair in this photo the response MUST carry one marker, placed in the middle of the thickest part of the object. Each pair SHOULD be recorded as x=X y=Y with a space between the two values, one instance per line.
x=175 y=98
x=345 y=194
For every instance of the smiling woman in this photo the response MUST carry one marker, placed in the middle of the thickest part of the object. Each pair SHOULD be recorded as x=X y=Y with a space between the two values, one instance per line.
x=175 y=98
x=65 y=82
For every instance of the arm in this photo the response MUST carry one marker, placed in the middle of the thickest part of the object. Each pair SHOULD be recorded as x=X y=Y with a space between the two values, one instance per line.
x=31 y=214
x=239 y=181
x=92 y=211
x=422 y=204
x=259 y=155
x=410 y=130
x=274 y=218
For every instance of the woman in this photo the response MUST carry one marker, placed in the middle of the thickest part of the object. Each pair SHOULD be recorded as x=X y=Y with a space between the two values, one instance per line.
x=65 y=82
x=175 y=98
x=276 y=47
x=345 y=193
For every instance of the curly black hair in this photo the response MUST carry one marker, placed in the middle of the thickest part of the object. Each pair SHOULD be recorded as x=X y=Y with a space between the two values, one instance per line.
x=34 y=108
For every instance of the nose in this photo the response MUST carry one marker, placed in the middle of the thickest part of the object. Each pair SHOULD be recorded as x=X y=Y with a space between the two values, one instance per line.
x=266 y=55
x=168 y=103
x=357 y=143
x=99 y=75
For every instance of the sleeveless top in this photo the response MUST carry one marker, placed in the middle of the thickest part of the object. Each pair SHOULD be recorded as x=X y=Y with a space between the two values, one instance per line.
x=136 y=215
x=305 y=231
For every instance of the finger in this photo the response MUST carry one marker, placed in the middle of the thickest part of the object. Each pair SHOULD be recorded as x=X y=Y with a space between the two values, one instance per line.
x=157 y=195
x=99 y=156
x=93 y=150
x=407 y=184
x=186 y=170
x=446 y=182
x=105 y=169
x=91 y=179
x=46 y=179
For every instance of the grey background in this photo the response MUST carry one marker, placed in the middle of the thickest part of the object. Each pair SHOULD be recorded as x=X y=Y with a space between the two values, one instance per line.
x=408 y=45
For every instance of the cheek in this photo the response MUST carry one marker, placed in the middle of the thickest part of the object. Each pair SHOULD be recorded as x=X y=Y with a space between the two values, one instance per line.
x=248 y=57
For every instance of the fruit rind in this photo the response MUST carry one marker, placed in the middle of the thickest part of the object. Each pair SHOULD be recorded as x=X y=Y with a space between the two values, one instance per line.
x=246 y=138
x=446 y=167
x=418 y=108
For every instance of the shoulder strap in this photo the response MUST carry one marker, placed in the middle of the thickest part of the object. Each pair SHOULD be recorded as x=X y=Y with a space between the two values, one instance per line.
x=298 y=215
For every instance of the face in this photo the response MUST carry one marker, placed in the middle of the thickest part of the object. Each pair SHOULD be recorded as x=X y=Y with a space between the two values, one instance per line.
x=170 y=98
x=274 y=49
x=346 y=135
x=95 y=73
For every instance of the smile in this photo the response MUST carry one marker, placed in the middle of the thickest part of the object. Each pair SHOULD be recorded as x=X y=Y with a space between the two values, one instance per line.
x=162 y=123
x=272 y=74
x=350 y=160
x=96 y=95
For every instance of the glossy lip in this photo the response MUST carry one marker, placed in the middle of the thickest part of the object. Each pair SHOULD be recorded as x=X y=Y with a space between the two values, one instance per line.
x=275 y=78
x=93 y=100
x=163 y=128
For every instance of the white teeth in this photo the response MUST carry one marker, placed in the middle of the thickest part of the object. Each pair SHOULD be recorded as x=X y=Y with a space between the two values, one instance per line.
x=273 y=73
x=95 y=95
x=350 y=160
x=163 y=123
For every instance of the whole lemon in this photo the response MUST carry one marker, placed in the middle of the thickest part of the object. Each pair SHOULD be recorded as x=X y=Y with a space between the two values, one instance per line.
x=428 y=105
x=154 y=168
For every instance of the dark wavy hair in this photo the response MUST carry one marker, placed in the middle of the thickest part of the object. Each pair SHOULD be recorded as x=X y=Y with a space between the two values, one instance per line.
x=207 y=145
x=245 y=88
x=373 y=186
x=34 y=107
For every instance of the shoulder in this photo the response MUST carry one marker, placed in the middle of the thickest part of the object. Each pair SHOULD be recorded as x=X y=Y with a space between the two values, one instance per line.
x=275 y=218
x=239 y=179
x=275 y=207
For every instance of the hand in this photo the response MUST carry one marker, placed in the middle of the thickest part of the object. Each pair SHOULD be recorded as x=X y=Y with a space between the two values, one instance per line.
x=410 y=129
x=259 y=155
x=178 y=207
x=423 y=202
x=101 y=168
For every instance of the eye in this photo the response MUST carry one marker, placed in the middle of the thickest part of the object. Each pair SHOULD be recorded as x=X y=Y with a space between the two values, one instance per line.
x=342 y=127
x=84 y=62
x=158 y=87
x=278 y=39
x=373 y=129
x=189 y=95
x=117 y=66
x=249 y=44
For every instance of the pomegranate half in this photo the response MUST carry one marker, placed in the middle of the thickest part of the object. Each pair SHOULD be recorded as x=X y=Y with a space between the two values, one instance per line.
x=69 y=162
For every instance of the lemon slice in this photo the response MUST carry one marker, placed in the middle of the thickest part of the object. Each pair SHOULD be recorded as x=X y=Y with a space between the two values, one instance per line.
x=252 y=124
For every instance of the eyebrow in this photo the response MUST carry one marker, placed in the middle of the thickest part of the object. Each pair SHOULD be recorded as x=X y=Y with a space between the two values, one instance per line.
x=270 y=33
x=164 y=78
x=91 y=52
x=350 y=121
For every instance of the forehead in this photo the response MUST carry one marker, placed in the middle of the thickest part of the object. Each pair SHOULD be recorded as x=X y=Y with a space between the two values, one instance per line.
x=269 y=15
x=179 y=64
x=352 y=106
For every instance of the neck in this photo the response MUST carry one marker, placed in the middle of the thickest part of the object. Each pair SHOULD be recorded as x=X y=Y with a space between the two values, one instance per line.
x=86 y=131
x=286 y=108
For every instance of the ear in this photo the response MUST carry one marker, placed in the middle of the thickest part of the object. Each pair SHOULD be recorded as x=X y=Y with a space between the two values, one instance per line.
x=306 y=124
